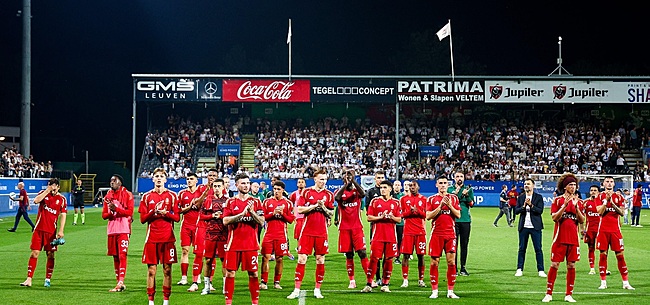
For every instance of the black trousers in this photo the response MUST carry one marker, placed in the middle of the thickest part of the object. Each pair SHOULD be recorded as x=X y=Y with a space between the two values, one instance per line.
x=462 y=241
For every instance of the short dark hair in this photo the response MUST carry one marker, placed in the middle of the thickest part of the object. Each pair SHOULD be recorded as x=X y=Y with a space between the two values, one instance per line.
x=386 y=182
x=190 y=174
x=219 y=180
x=53 y=181
x=241 y=176
x=280 y=184
x=213 y=170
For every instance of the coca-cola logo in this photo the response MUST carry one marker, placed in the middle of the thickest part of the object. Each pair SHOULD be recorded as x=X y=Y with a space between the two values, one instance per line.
x=277 y=90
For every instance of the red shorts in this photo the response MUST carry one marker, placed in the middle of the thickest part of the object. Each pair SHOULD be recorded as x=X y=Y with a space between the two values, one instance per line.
x=561 y=251
x=199 y=240
x=387 y=249
x=439 y=243
x=278 y=246
x=118 y=243
x=309 y=244
x=41 y=241
x=417 y=242
x=247 y=259
x=351 y=240
x=159 y=253
x=214 y=249
x=613 y=240
x=188 y=235
x=297 y=228
x=590 y=238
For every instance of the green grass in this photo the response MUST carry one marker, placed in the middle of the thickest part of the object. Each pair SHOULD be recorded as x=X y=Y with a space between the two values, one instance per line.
x=84 y=274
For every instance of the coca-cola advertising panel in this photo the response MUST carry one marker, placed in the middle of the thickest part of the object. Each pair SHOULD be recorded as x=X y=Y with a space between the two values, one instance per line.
x=263 y=90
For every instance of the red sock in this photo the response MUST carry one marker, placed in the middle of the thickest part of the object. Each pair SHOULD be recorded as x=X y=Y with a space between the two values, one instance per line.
x=433 y=277
x=31 y=266
x=451 y=277
x=184 y=267
x=265 y=277
x=622 y=266
x=116 y=266
x=122 y=269
x=230 y=288
x=602 y=266
x=388 y=270
x=592 y=257
x=49 y=268
x=300 y=274
x=254 y=289
x=349 y=265
x=421 y=272
x=570 y=280
x=167 y=291
x=320 y=274
x=277 y=277
x=372 y=269
x=405 y=272
x=151 y=292
x=550 y=280
x=196 y=267
x=364 y=264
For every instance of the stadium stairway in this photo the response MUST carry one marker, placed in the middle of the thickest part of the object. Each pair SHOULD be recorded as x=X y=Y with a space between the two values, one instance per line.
x=248 y=145
x=631 y=157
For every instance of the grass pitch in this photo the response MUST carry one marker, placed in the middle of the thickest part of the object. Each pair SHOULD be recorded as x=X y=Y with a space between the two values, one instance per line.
x=84 y=274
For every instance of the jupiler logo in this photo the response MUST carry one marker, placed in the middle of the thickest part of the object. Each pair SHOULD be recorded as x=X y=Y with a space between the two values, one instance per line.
x=559 y=91
x=496 y=91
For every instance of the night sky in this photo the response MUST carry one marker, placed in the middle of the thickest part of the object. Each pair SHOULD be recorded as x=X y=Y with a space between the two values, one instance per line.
x=84 y=52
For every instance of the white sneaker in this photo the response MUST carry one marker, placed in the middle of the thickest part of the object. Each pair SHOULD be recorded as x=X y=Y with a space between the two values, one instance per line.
x=183 y=281
x=193 y=288
x=294 y=294
x=353 y=284
x=277 y=286
x=421 y=283
x=205 y=291
x=592 y=271
x=366 y=289
x=452 y=295
x=639 y=226
x=212 y=287
x=541 y=274
x=627 y=286
x=547 y=298
x=603 y=285
x=405 y=283
x=263 y=286
x=434 y=294
x=317 y=293
x=519 y=272
x=569 y=298
x=385 y=289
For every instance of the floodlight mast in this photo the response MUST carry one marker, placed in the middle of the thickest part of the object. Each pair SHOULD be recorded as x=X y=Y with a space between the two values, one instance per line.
x=559 y=68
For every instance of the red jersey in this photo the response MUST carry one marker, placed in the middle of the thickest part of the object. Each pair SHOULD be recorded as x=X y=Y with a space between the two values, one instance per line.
x=591 y=214
x=160 y=228
x=242 y=236
x=566 y=229
x=414 y=220
x=316 y=220
x=276 y=225
x=185 y=197
x=636 y=199
x=445 y=223
x=512 y=198
x=48 y=212
x=25 y=202
x=384 y=230
x=350 y=210
x=215 y=230
x=297 y=201
x=610 y=220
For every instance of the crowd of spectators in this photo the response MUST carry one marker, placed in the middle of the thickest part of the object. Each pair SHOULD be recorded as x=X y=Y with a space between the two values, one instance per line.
x=504 y=149
x=14 y=164
x=174 y=146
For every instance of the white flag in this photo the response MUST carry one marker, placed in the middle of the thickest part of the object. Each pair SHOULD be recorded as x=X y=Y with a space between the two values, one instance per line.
x=442 y=33
x=289 y=33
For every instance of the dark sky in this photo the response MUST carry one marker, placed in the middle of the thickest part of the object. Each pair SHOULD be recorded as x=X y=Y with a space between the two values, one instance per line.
x=84 y=52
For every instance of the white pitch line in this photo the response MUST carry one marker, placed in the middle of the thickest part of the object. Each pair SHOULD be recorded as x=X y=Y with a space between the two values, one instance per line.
x=505 y=292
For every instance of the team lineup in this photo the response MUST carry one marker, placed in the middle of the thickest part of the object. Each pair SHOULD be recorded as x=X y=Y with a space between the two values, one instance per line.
x=216 y=225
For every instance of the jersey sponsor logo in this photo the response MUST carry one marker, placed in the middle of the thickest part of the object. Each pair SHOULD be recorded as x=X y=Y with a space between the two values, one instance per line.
x=592 y=214
x=51 y=210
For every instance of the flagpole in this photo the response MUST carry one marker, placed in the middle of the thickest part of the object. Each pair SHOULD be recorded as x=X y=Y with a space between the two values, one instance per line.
x=289 y=43
x=451 y=52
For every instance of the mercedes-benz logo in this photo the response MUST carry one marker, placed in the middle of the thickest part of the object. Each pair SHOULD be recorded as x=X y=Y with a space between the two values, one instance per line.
x=210 y=88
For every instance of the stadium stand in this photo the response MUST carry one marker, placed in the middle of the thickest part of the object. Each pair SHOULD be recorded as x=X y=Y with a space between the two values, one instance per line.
x=16 y=165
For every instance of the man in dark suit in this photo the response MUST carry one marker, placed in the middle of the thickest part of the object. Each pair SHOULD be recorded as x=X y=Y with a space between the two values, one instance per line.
x=530 y=206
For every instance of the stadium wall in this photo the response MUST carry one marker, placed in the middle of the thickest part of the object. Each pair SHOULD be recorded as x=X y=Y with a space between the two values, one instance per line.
x=9 y=186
